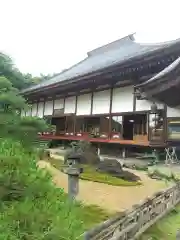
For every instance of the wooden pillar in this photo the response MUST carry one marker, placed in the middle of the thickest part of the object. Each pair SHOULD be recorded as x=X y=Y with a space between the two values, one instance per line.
x=74 y=128
x=65 y=123
x=44 y=102
x=37 y=108
x=92 y=95
x=64 y=102
x=165 y=124
x=134 y=101
x=31 y=109
x=52 y=110
x=110 y=113
x=53 y=106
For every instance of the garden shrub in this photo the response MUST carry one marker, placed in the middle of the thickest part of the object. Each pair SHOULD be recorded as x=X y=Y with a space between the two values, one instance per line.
x=84 y=151
x=157 y=174
x=31 y=206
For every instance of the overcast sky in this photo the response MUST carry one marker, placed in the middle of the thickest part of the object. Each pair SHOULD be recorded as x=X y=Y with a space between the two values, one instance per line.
x=44 y=36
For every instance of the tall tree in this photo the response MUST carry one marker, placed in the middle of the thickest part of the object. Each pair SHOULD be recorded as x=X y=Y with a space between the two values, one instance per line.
x=8 y=70
x=12 y=124
x=19 y=80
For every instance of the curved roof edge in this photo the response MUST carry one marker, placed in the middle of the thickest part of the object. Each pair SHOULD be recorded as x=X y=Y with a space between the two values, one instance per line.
x=168 y=70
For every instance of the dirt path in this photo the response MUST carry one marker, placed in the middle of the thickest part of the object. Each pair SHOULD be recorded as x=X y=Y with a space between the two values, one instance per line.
x=108 y=197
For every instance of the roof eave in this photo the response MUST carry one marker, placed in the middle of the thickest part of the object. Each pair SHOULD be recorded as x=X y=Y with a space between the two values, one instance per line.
x=151 y=55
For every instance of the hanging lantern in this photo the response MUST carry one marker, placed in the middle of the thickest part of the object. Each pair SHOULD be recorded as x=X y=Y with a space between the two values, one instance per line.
x=154 y=108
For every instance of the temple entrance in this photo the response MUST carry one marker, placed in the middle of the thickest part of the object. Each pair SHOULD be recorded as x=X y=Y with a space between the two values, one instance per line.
x=135 y=127
x=128 y=127
x=59 y=122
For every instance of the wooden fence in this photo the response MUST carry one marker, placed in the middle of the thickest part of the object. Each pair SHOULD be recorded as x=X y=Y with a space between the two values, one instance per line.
x=131 y=224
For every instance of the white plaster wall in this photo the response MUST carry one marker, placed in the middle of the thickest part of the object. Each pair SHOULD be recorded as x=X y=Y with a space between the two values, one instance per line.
x=40 y=109
x=48 y=108
x=122 y=99
x=101 y=102
x=70 y=104
x=28 y=113
x=84 y=104
x=59 y=103
x=23 y=113
x=145 y=105
x=34 y=109
x=173 y=112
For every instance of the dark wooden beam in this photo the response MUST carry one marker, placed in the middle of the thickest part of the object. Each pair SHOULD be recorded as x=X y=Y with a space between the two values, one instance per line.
x=110 y=112
x=92 y=96
x=37 y=108
x=74 y=130
x=43 y=107
x=134 y=101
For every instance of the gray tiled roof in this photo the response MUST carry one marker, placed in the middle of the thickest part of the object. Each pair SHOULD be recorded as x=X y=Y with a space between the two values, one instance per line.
x=169 y=69
x=117 y=52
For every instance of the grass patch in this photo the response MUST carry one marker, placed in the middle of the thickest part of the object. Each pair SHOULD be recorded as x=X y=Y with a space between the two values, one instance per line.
x=158 y=174
x=94 y=215
x=166 y=228
x=90 y=174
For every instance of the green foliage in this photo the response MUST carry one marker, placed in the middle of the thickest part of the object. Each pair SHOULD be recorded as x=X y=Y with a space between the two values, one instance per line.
x=157 y=174
x=8 y=70
x=10 y=100
x=31 y=206
x=43 y=154
x=11 y=123
x=166 y=228
x=19 y=80
x=136 y=167
x=29 y=128
x=84 y=150
x=91 y=174
x=78 y=147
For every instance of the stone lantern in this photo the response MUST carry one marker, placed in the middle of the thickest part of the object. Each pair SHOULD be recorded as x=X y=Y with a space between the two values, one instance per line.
x=73 y=170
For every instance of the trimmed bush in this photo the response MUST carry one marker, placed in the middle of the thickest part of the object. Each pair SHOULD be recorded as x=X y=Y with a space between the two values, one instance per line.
x=31 y=206
x=90 y=173
x=84 y=151
x=126 y=179
x=114 y=169
x=157 y=174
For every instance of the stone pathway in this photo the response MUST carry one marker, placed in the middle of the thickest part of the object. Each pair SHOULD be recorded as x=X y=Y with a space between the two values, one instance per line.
x=108 y=197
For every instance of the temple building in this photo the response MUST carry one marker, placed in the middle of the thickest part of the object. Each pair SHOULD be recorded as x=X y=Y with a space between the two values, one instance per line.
x=124 y=93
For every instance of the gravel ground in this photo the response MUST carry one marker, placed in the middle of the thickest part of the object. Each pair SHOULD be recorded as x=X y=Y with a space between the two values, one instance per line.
x=109 y=197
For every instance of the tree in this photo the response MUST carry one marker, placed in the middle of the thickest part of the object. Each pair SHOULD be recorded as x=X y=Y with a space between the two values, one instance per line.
x=31 y=206
x=8 y=70
x=19 y=80
x=12 y=125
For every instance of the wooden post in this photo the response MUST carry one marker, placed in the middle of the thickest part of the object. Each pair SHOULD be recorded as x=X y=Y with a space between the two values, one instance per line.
x=74 y=130
x=37 y=108
x=92 y=95
x=110 y=114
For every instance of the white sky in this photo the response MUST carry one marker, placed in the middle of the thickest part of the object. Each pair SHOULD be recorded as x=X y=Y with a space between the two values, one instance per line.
x=44 y=36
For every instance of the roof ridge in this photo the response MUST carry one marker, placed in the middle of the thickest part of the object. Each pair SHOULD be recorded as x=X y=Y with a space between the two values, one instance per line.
x=109 y=46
